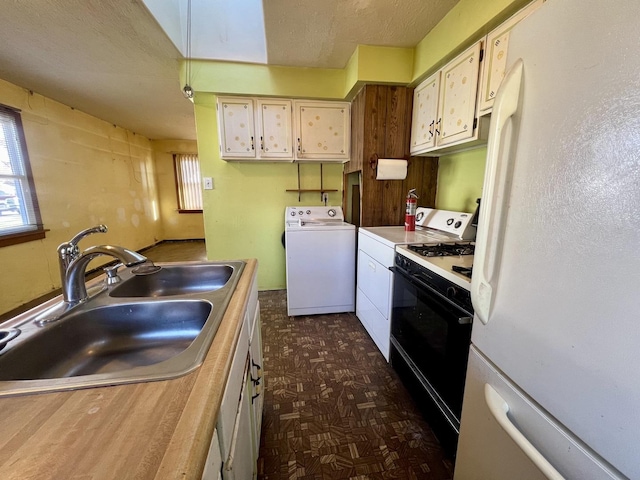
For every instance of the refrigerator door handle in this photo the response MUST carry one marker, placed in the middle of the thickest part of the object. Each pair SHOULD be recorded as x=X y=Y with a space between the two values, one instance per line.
x=492 y=208
x=499 y=408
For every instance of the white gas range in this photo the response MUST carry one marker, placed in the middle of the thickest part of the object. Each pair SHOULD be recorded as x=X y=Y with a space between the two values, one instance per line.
x=431 y=317
x=377 y=251
x=447 y=248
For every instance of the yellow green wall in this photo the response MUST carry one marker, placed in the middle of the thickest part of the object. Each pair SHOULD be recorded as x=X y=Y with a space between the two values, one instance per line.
x=175 y=226
x=244 y=214
x=460 y=178
x=86 y=172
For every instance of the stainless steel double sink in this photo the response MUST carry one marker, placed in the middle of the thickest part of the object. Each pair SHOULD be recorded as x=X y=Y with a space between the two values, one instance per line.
x=154 y=325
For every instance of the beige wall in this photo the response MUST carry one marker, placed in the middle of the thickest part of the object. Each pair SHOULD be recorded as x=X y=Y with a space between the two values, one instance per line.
x=175 y=226
x=86 y=172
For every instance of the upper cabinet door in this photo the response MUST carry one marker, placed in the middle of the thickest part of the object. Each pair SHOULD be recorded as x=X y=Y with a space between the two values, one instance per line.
x=495 y=58
x=275 y=138
x=457 y=103
x=425 y=114
x=235 y=118
x=323 y=130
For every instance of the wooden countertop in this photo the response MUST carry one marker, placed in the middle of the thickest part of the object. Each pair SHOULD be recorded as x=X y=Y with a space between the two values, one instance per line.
x=153 y=430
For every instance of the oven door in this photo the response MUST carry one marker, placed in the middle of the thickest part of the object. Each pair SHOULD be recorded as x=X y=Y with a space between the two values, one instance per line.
x=433 y=335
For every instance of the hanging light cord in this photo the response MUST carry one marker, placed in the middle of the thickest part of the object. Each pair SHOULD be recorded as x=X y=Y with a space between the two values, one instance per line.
x=187 y=90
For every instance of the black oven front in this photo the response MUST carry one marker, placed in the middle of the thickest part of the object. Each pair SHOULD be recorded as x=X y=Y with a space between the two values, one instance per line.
x=430 y=335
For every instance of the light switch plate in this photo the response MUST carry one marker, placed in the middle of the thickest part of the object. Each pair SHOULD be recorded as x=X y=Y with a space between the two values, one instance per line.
x=208 y=183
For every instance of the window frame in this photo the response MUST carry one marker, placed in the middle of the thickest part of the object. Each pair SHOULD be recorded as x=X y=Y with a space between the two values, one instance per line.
x=28 y=235
x=178 y=182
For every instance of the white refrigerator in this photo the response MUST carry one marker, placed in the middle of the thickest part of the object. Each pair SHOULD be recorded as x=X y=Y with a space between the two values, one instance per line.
x=553 y=383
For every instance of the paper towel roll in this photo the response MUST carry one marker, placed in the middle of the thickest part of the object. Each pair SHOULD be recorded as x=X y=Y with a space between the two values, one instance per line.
x=391 y=169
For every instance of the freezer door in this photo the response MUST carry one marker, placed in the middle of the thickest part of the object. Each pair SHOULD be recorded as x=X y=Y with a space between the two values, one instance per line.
x=558 y=236
x=506 y=436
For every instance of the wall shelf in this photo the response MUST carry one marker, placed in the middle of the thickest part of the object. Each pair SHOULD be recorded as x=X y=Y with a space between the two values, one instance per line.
x=320 y=190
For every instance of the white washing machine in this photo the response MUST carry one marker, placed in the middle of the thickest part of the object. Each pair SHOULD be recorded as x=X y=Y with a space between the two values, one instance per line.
x=320 y=250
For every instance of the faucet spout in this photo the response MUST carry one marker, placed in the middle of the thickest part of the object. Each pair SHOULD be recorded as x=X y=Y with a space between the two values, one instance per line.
x=74 y=289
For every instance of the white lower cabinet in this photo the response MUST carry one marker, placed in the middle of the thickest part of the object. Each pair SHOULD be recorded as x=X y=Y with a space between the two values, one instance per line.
x=213 y=466
x=233 y=454
x=257 y=380
x=374 y=289
x=240 y=463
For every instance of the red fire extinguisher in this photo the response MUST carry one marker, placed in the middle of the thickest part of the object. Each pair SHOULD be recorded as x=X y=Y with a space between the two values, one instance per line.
x=410 y=215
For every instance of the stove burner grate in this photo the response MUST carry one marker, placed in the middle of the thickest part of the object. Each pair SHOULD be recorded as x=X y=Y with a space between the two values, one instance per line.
x=466 y=271
x=443 y=249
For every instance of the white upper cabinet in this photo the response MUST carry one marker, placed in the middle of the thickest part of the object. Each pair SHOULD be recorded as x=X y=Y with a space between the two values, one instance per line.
x=237 y=134
x=452 y=93
x=425 y=114
x=264 y=129
x=323 y=130
x=275 y=129
x=457 y=103
x=495 y=61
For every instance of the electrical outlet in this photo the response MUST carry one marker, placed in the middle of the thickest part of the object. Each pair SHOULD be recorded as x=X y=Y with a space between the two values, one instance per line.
x=208 y=183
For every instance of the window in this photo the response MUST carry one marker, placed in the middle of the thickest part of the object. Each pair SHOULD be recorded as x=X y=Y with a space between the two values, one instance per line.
x=19 y=213
x=187 y=169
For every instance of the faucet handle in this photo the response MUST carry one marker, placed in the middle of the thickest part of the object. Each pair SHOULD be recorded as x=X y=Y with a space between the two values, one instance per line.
x=79 y=236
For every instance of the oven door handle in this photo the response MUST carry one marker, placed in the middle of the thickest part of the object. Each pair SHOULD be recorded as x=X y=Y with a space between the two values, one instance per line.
x=419 y=283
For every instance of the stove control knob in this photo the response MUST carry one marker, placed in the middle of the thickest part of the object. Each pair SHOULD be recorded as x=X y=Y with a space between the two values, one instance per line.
x=450 y=221
x=458 y=224
x=331 y=212
x=308 y=212
x=300 y=212
x=452 y=292
x=292 y=213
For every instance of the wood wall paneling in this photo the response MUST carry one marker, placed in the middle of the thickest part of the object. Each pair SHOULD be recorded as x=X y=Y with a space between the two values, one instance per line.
x=381 y=128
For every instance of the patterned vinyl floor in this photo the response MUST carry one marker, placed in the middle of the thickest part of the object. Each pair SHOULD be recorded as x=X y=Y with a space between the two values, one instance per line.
x=334 y=408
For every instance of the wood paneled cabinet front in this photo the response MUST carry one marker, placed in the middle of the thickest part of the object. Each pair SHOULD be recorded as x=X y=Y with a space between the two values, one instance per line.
x=452 y=93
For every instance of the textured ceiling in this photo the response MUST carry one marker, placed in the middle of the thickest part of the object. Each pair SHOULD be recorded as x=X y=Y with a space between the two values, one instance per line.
x=111 y=59
x=326 y=33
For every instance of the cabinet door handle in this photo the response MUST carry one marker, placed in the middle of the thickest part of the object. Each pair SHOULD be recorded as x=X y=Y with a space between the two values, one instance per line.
x=431 y=128
x=299 y=145
x=256 y=381
x=438 y=123
x=254 y=397
x=252 y=145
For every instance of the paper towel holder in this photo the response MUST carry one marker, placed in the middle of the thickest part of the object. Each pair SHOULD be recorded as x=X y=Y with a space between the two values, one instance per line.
x=373 y=161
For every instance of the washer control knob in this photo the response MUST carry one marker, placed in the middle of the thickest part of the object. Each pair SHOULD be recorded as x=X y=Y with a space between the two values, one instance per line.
x=308 y=212
x=458 y=223
x=292 y=213
x=450 y=221
x=300 y=212
x=331 y=212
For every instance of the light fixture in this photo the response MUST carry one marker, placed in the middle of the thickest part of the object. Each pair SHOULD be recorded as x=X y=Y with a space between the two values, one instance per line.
x=187 y=91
